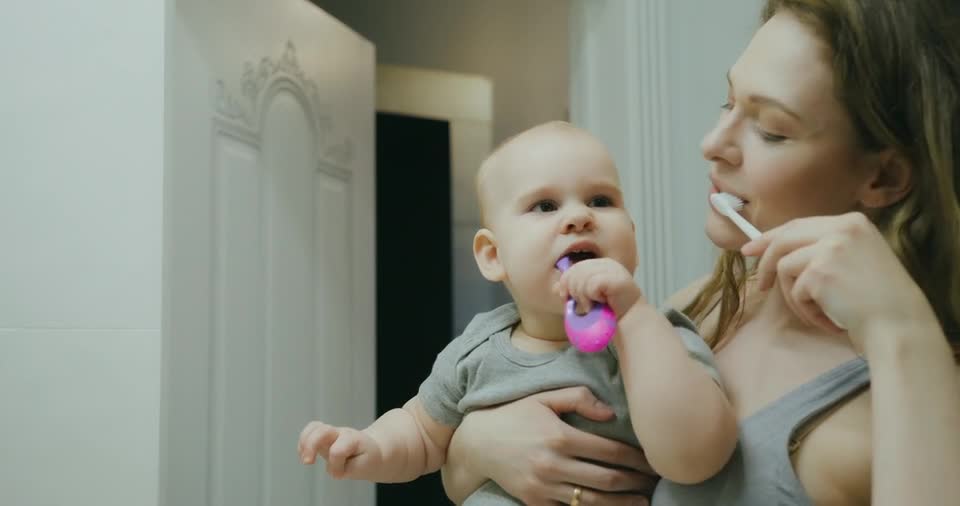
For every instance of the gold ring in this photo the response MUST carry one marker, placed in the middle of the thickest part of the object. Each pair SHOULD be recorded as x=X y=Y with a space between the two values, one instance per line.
x=575 y=500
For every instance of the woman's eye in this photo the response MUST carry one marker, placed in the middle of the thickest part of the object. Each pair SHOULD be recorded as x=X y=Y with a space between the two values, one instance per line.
x=601 y=201
x=544 y=206
x=728 y=105
x=772 y=138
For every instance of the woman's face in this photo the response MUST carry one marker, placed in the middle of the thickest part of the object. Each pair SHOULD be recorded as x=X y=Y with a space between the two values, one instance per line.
x=783 y=143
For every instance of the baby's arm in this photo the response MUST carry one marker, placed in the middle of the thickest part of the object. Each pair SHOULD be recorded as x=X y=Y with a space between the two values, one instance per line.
x=400 y=446
x=679 y=412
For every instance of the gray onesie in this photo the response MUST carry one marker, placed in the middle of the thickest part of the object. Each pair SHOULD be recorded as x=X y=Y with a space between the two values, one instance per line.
x=481 y=368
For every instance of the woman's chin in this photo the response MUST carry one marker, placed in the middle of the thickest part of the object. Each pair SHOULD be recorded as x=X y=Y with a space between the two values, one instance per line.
x=724 y=234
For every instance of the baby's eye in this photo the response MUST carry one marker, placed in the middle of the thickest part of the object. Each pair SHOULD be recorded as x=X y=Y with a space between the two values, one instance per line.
x=601 y=201
x=544 y=206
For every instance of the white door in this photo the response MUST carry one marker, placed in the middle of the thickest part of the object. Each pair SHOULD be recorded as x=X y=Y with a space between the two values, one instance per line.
x=268 y=236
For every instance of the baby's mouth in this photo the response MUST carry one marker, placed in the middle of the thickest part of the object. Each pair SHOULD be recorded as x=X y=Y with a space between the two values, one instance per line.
x=566 y=261
x=579 y=256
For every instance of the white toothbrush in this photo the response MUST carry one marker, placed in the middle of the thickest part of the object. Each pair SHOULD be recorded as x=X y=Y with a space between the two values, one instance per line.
x=728 y=205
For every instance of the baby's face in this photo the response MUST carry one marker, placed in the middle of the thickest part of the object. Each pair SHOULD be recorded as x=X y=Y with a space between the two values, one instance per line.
x=548 y=195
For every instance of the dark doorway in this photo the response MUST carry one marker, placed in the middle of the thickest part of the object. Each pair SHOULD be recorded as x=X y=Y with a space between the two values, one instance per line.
x=414 y=271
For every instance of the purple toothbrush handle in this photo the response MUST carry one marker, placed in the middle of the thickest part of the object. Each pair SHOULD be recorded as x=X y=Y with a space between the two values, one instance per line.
x=592 y=331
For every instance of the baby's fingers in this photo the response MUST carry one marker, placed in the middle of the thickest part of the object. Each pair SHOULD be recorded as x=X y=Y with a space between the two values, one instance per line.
x=316 y=439
x=575 y=282
x=597 y=287
x=305 y=434
x=346 y=446
x=572 y=287
x=583 y=305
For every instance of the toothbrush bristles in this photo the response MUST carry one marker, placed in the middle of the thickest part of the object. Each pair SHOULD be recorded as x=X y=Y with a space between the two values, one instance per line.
x=732 y=200
x=729 y=205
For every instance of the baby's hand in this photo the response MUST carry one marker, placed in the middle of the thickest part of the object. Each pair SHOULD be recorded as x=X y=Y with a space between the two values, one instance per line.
x=601 y=280
x=349 y=453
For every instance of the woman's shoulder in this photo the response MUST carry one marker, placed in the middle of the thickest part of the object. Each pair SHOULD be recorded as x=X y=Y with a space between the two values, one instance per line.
x=684 y=296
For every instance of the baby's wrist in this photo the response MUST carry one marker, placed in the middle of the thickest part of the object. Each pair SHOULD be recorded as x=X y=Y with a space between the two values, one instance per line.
x=632 y=321
x=623 y=304
x=639 y=310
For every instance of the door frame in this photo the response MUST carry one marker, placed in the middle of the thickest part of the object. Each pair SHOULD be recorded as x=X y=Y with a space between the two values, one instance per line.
x=465 y=101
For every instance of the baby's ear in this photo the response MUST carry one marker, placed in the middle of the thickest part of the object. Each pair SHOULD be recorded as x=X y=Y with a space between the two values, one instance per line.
x=487 y=255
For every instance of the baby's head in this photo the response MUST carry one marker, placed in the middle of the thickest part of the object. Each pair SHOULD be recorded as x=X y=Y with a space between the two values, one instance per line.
x=544 y=193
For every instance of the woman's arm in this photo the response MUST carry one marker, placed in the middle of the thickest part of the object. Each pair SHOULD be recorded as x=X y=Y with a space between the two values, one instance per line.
x=685 y=295
x=537 y=458
x=916 y=415
x=838 y=273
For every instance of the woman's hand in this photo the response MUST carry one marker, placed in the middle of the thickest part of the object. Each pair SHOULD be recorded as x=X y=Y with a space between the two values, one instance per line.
x=838 y=273
x=525 y=448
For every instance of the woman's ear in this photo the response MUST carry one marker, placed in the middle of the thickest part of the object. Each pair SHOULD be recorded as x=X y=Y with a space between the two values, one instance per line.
x=890 y=181
x=487 y=255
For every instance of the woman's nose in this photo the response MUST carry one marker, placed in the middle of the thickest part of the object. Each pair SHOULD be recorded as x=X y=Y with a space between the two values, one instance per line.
x=720 y=144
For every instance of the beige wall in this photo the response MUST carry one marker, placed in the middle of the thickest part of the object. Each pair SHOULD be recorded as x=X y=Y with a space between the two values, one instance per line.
x=521 y=45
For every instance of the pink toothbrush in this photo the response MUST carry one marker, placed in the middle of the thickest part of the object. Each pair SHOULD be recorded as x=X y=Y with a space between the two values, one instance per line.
x=590 y=332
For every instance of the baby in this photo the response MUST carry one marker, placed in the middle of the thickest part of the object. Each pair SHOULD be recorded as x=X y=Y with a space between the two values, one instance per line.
x=548 y=193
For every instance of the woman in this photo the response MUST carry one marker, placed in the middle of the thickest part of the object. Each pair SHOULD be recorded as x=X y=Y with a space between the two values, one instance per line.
x=842 y=135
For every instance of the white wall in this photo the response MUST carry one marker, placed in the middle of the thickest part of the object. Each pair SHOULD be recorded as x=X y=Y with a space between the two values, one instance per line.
x=81 y=161
x=704 y=39
x=648 y=78
x=521 y=45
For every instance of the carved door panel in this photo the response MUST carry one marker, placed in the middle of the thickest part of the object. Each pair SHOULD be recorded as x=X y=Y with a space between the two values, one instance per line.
x=268 y=283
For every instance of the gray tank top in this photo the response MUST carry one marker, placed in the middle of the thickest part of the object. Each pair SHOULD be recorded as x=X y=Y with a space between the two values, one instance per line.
x=760 y=472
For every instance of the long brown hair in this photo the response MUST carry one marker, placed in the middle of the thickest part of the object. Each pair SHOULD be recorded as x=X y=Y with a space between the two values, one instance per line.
x=896 y=67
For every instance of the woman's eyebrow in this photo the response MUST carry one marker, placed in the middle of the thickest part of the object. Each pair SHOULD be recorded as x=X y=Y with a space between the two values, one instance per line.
x=769 y=101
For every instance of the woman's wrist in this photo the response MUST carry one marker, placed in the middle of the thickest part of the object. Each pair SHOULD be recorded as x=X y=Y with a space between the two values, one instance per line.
x=901 y=345
x=461 y=449
x=460 y=473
